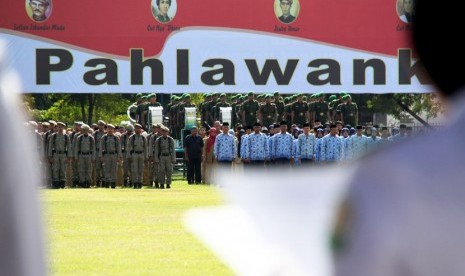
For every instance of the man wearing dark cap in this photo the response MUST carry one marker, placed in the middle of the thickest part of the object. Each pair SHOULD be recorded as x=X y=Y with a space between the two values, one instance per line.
x=331 y=146
x=193 y=146
x=283 y=146
x=286 y=16
x=72 y=137
x=136 y=150
x=359 y=143
x=243 y=144
x=58 y=148
x=306 y=143
x=256 y=150
x=411 y=223
x=225 y=150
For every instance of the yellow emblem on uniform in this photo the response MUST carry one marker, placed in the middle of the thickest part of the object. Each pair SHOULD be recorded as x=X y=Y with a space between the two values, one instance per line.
x=301 y=114
x=351 y=114
x=251 y=113
x=269 y=116
x=321 y=114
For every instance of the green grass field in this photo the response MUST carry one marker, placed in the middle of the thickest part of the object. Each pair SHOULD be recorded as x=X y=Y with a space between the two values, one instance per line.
x=127 y=232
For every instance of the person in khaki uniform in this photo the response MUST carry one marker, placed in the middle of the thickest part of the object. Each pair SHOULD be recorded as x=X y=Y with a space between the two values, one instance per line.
x=84 y=153
x=165 y=157
x=136 y=151
x=59 y=146
x=72 y=137
x=153 y=167
x=98 y=166
x=109 y=155
x=126 y=161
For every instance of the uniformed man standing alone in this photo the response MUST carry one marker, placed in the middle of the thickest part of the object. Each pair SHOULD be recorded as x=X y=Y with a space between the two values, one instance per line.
x=110 y=155
x=137 y=153
x=59 y=146
x=84 y=152
x=165 y=157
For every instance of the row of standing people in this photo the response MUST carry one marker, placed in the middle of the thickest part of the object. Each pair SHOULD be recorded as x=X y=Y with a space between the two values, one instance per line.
x=100 y=153
x=255 y=148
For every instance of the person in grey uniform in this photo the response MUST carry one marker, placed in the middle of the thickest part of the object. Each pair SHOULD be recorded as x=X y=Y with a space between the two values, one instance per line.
x=48 y=168
x=73 y=137
x=136 y=150
x=59 y=145
x=84 y=153
x=165 y=157
x=405 y=208
x=109 y=155
x=153 y=167
x=98 y=134
x=126 y=160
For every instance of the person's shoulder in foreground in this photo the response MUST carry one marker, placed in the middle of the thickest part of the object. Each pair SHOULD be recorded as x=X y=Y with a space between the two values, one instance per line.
x=406 y=203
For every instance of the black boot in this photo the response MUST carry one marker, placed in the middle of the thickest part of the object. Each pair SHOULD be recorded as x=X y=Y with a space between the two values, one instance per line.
x=136 y=185
x=157 y=185
x=55 y=184
x=140 y=185
x=62 y=184
x=125 y=184
x=162 y=186
x=87 y=184
x=75 y=183
x=113 y=185
x=168 y=186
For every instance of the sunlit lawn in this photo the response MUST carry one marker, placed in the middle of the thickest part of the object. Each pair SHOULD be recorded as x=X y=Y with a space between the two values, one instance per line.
x=127 y=232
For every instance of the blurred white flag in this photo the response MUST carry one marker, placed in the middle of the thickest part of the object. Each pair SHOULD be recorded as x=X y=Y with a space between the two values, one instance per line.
x=278 y=223
x=21 y=240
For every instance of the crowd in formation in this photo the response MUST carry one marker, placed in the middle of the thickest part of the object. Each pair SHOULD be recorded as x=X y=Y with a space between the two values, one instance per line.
x=265 y=132
x=261 y=147
x=249 y=108
x=91 y=156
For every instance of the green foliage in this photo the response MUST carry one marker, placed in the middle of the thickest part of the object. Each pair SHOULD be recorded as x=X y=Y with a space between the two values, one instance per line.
x=127 y=232
x=77 y=107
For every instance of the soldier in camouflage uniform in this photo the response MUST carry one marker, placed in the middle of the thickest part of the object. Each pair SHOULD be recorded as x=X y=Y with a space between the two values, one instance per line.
x=320 y=109
x=249 y=110
x=222 y=103
x=268 y=112
x=209 y=107
x=152 y=103
x=136 y=150
x=48 y=132
x=279 y=105
x=109 y=155
x=332 y=105
x=174 y=115
x=299 y=111
x=165 y=157
x=348 y=111
x=59 y=145
x=182 y=110
x=84 y=153
x=203 y=108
